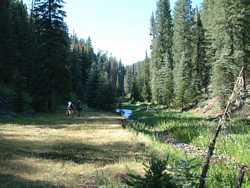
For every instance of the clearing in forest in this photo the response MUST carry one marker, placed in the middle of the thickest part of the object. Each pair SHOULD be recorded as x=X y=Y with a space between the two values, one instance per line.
x=55 y=151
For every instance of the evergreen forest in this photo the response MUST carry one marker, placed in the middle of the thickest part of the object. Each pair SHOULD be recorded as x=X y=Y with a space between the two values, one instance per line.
x=42 y=65
x=74 y=116
x=196 y=54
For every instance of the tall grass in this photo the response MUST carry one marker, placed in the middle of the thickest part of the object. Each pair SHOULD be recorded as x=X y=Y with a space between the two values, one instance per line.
x=195 y=130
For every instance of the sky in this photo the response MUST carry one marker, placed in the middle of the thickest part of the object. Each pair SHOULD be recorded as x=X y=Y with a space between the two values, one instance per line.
x=120 y=27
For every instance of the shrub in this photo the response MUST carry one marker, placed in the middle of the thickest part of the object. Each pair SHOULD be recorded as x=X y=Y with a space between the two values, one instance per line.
x=156 y=176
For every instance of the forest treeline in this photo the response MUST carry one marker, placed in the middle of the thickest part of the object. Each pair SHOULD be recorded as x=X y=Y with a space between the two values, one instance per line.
x=196 y=53
x=42 y=65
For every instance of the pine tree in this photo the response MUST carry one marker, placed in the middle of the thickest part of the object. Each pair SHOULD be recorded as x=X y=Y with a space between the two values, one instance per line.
x=146 y=89
x=162 y=57
x=230 y=48
x=128 y=80
x=4 y=38
x=246 y=37
x=20 y=43
x=135 y=92
x=14 y=50
x=101 y=92
x=92 y=85
x=183 y=52
x=113 y=74
x=121 y=76
x=76 y=67
x=53 y=76
x=88 y=57
x=207 y=17
x=135 y=86
x=153 y=47
x=200 y=67
x=105 y=99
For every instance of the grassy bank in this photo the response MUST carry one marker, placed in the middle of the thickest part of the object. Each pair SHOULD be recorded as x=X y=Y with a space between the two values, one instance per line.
x=196 y=130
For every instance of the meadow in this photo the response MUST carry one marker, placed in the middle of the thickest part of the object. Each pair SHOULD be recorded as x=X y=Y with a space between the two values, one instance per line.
x=94 y=150
x=55 y=151
x=233 y=145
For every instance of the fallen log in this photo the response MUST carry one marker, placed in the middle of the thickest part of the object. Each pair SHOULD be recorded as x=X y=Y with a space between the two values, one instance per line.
x=238 y=93
x=240 y=178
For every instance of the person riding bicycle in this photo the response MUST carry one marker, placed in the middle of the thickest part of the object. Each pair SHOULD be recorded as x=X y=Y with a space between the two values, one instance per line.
x=70 y=108
x=78 y=107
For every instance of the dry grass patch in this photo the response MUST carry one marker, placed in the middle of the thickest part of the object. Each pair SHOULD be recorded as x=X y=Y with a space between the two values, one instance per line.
x=54 y=151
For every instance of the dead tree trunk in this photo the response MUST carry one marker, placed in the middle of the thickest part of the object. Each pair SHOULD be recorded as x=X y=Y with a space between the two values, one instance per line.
x=237 y=93
x=240 y=178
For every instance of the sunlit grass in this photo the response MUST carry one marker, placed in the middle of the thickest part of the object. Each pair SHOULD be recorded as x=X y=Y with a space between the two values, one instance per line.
x=233 y=142
x=94 y=150
x=191 y=129
x=55 y=151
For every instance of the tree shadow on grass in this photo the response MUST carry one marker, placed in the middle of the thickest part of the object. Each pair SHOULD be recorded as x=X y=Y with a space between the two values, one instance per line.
x=155 y=119
x=13 y=155
x=10 y=181
x=61 y=122
x=180 y=133
x=76 y=152
x=10 y=178
x=183 y=128
x=86 y=153
x=240 y=127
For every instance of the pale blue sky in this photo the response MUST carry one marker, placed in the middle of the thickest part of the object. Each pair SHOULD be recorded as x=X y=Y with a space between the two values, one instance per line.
x=120 y=27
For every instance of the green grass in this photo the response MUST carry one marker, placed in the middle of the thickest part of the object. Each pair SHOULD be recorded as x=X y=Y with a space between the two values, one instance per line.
x=234 y=141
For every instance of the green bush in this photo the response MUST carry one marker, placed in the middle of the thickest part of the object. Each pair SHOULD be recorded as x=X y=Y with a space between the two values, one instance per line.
x=156 y=176
x=166 y=174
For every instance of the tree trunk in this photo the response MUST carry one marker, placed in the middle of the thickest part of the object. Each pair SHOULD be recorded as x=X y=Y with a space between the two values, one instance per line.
x=240 y=178
x=223 y=119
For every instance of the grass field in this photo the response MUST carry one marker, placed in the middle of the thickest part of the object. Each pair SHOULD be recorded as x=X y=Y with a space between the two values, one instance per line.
x=95 y=151
x=234 y=142
x=55 y=151
x=190 y=129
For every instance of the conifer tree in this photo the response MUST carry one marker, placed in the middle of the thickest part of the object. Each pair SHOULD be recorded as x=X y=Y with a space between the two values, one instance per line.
x=76 y=67
x=153 y=47
x=246 y=37
x=121 y=76
x=128 y=80
x=52 y=75
x=88 y=57
x=146 y=89
x=162 y=57
x=4 y=37
x=14 y=50
x=135 y=87
x=183 y=52
x=101 y=93
x=230 y=48
x=19 y=44
x=135 y=92
x=200 y=67
x=207 y=18
x=93 y=85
